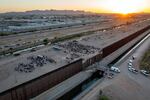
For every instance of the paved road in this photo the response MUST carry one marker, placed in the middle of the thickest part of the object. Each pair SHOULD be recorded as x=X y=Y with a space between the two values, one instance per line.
x=126 y=85
x=32 y=37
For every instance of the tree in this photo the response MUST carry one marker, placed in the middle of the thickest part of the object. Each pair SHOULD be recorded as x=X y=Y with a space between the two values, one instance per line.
x=45 y=41
x=11 y=50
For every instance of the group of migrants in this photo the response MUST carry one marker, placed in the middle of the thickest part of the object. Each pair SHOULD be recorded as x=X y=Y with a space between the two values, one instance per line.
x=76 y=47
x=34 y=62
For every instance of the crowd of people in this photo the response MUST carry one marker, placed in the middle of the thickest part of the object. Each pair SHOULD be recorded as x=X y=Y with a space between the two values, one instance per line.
x=76 y=47
x=34 y=62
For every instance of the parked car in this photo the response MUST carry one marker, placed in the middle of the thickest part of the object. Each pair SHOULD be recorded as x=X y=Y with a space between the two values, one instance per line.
x=133 y=70
x=130 y=64
x=144 y=72
x=110 y=75
x=115 y=69
x=130 y=61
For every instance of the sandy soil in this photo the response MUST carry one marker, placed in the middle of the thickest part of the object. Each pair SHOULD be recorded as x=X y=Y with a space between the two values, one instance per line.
x=10 y=78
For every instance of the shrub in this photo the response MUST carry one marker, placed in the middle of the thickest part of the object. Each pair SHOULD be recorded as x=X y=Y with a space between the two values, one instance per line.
x=103 y=97
x=45 y=41
x=145 y=62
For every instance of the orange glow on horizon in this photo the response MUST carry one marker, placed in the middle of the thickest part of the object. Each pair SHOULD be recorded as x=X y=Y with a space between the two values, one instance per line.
x=97 y=6
x=123 y=6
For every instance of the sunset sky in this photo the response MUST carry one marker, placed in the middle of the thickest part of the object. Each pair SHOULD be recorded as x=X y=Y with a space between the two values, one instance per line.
x=100 y=6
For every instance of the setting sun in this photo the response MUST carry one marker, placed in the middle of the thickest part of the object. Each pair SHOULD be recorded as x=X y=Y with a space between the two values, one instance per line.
x=123 y=6
x=98 y=6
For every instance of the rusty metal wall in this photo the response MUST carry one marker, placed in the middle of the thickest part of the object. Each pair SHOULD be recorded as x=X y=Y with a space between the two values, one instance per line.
x=92 y=60
x=43 y=83
x=113 y=47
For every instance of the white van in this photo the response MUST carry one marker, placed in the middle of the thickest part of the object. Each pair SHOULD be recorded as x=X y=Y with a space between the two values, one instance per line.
x=115 y=69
